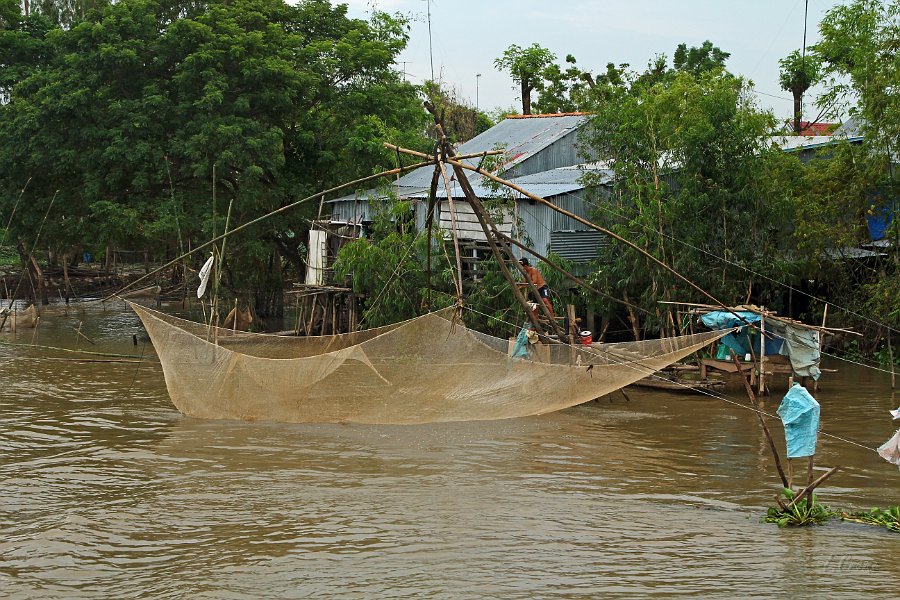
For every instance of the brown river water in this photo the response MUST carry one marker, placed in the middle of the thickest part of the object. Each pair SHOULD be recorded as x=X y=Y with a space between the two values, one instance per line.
x=107 y=491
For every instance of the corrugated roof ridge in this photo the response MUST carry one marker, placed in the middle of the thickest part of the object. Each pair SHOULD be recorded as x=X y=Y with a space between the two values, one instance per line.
x=548 y=115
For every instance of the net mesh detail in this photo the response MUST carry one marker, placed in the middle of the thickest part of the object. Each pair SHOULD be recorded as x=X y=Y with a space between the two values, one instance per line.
x=428 y=369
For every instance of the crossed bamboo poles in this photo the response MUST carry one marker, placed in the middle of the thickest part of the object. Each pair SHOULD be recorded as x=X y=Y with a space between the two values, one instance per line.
x=499 y=243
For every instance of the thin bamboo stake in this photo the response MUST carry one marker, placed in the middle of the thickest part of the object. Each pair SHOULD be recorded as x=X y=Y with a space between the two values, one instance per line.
x=37 y=237
x=454 y=232
x=762 y=351
x=737 y=363
x=430 y=157
x=821 y=343
x=429 y=225
x=284 y=208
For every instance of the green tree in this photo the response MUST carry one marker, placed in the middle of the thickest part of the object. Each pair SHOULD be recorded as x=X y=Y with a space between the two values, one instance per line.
x=860 y=50
x=698 y=59
x=798 y=74
x=128 y=114
x=388 y=266
x=526 y=66
x=461 y=121
x=696 y=177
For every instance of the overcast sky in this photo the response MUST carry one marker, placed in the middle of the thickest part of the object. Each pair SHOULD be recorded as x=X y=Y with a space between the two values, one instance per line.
x=468 y=35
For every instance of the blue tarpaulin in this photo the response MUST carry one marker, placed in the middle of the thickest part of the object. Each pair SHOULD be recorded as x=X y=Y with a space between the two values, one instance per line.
x=800 y=345
x=521 y=348
x=799 y=412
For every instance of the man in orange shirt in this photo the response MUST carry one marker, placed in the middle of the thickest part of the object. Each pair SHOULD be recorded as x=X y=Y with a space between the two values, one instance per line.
x=538 y=280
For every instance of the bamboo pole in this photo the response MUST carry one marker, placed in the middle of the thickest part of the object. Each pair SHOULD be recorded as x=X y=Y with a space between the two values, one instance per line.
x=429 y=226
x=821 y=343
x=481 y=155
x=277 y=211
x=737 y=363
x=809 y=479
x=453 y=230
x=536 y=198
x=477 y=207
x=762 y=350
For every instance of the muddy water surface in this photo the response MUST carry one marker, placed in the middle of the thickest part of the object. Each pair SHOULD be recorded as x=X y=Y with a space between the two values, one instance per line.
x=107 y=491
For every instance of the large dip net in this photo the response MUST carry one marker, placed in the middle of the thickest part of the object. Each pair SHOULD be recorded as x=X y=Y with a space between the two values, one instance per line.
x=428 y=369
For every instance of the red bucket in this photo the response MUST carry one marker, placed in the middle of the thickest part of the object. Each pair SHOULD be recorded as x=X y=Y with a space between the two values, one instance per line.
x=586 y=338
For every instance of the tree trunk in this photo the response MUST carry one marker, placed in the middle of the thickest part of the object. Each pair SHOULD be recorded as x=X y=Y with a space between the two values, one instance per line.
x=798 y=102
x=526 y=97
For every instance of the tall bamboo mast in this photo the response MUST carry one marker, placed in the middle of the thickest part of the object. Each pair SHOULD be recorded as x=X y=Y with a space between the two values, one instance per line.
x=490 y=232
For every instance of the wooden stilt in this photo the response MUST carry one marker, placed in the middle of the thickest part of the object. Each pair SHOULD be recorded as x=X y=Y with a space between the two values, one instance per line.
x=809 y=481
x=573 y=331
x=821 y=342
x=810 y=488
x=762 y=422
x=762 y=351
x=312 y=314
x=333 y=314
x=891 y=358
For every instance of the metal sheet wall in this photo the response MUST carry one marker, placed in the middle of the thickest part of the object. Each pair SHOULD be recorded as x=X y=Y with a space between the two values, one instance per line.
x=578 y=246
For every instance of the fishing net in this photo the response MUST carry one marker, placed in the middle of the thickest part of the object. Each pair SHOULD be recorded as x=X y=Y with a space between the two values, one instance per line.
x=428 y=369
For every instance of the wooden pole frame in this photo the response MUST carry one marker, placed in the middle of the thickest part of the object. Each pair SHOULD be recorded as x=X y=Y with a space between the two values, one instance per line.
x=594 y=226
x=737 y=363
x=478 y=209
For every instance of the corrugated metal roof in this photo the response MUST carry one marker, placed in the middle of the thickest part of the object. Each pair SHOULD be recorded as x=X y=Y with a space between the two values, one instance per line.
x=570 y=176
x=521 y=138
x=851 y=128
x=546 y=184
x=790 y=143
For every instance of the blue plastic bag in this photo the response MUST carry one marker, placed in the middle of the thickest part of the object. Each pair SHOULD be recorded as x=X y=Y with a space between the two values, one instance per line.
x=799 y=412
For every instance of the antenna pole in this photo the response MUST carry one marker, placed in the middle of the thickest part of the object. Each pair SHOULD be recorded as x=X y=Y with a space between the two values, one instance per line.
x=430 y=49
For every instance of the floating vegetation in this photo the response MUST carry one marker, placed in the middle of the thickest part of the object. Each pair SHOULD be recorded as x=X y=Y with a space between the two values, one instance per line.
x=889 y=517
x=798 y=514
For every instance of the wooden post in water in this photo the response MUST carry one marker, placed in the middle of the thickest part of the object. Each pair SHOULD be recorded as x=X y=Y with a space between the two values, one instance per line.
x=573 y=331
x=809 y=481
x=762 y=351
x=821 y=341
x=755 y=407
x=891 y=358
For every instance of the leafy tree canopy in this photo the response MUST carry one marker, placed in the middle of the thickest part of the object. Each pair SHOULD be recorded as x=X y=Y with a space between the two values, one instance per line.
x=861 y=43
x=127 y=113
x=695 y=178
x=798 y=74
x=698 y=59
x=526 y=67
x=461 y=121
